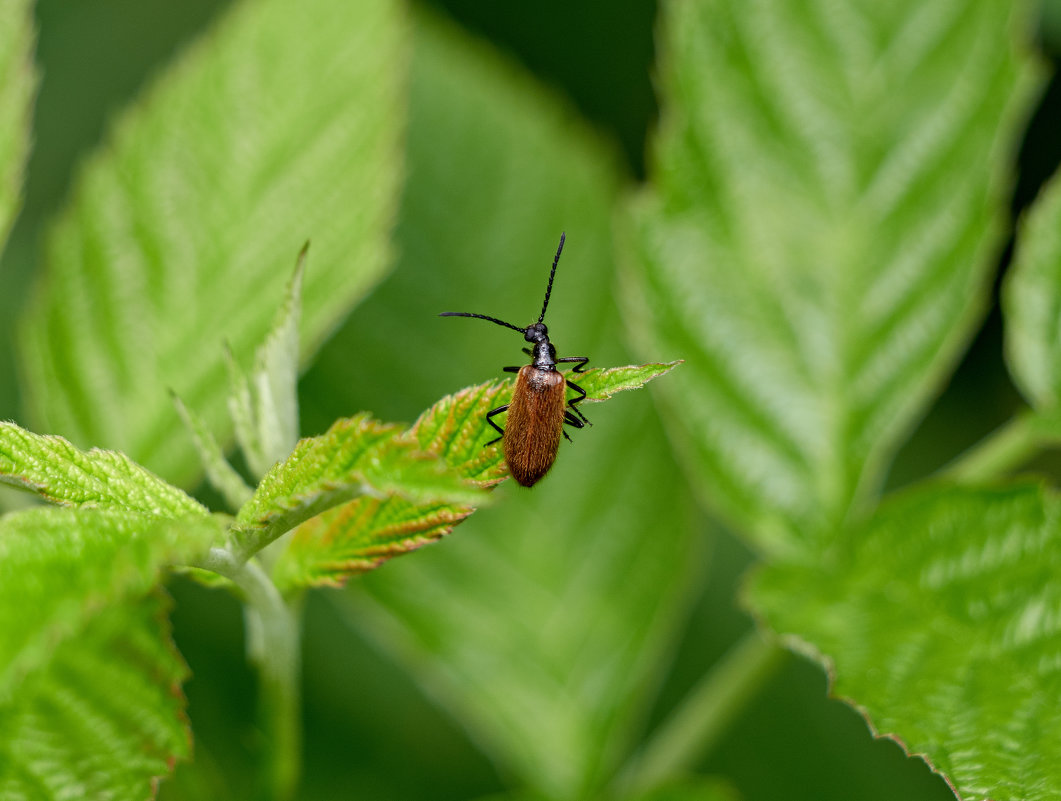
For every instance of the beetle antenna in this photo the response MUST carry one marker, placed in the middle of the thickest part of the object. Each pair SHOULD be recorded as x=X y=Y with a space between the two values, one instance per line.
x=484 y=317
x=549 y=288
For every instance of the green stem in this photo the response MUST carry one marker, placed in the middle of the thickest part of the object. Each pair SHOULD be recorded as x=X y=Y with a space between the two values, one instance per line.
x=1000 y=451
x=273 y=646
x=703 y=716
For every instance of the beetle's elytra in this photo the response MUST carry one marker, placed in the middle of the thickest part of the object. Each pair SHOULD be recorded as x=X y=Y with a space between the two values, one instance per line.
x=539 y=407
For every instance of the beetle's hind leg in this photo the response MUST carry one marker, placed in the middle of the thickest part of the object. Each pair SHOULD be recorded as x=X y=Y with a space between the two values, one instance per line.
x=498 y=428
x=581 y=397
x=571 y=420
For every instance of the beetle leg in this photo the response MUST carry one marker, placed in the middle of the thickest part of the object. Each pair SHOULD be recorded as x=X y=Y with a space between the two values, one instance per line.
x=499 y=429
x=571 y=420
x=579 y=399
x=578 y=368
x=511 y=369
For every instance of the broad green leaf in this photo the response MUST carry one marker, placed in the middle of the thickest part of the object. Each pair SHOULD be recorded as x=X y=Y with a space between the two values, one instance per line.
x=61 y=567
x=364 y=533
x=58 y=472
x=356 y=457
x=264 y=406
x=939 y=622
x=1032 y=302
x=18 y=82
x=281 y=124
x=826 y=207
x=105 y=719
x=222 y=476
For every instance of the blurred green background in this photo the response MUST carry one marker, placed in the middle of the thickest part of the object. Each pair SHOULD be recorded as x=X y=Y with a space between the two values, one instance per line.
x=371 y=730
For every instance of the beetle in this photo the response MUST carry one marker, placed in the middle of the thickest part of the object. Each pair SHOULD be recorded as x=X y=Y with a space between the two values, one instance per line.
x=539 y=407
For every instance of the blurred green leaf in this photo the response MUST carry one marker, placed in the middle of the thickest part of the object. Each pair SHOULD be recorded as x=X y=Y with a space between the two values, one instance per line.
x=264 y=406
x=105 y=719
x=18 y=82
x=282 y=124
x=58 y=472
x=61 y=567
x=939 y=620
x=1031 y=303
x=222 y=476
x=364 y=533
x=357 y=456
x=698 y=789
x=692 y=789
x=826 y=209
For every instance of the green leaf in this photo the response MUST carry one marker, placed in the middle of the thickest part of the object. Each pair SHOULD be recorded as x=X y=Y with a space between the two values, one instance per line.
x=105 y=719
x=827 y=205
x=1031 y=302
x=60 y=567
x=358 y=536
x=264 y=407
x=18 y=83
x=356 y=456
x=60 y=473
x=456 y=429
x=282 y=124
x=221 y=475
x=939 y=622
x=364 y=533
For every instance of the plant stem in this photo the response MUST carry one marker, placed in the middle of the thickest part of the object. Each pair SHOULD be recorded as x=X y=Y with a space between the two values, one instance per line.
x=273 y=646
x=1002 y=450
x=696 y=725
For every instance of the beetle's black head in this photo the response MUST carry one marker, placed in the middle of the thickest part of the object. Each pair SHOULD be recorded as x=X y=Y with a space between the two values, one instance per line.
x=536 y=333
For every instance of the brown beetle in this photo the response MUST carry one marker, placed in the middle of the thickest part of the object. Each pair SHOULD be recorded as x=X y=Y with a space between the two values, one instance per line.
x=539 y=406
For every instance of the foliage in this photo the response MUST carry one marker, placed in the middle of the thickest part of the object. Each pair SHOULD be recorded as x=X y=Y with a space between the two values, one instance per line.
x=826 y=201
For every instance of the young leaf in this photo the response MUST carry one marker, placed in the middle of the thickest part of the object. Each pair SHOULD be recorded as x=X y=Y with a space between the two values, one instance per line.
x=58 y=472
x=105 y=718
x=939 y=622
x=222 y=476
x=1031 y=302
x=276 y=127
x=826 y=208
x=18 y=82
x=61 y=567
x=455 y=428
x=356 y=456
x=264 y=407
x=361 y=535
x=364 y=533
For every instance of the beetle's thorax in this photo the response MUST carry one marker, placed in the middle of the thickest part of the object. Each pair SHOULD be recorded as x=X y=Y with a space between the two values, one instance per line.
x=544 y=354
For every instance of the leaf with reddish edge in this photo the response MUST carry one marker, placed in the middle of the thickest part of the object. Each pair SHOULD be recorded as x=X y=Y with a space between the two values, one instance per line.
x=362 y=534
